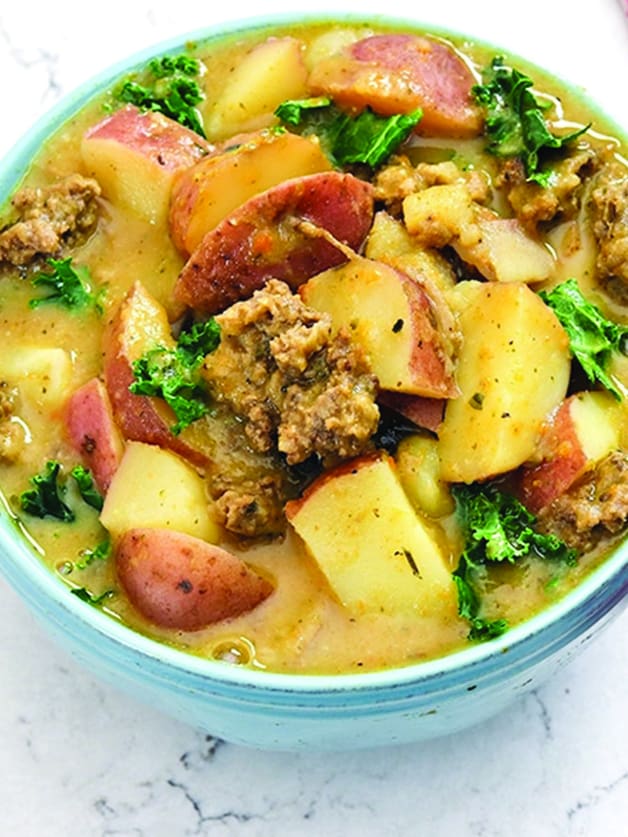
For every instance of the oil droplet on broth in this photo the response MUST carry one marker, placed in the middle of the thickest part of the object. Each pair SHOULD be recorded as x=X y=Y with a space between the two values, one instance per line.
x=240 y=651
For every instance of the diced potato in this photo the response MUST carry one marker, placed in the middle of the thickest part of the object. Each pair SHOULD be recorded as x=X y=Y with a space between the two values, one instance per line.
x=271 y=73
x=154 y=488
x=584 y=430
x=43 y=375
x=419 y=469
x=405 y=349
x=391 y=243
x=330 y=43
x=499 y=248
x=182 y=582
x=441 y=213
x=513 y=370
x=134 y=155
x=388 y=238
x=376 y=553
x=207 y=192
x=506 y=253
x=597 y=418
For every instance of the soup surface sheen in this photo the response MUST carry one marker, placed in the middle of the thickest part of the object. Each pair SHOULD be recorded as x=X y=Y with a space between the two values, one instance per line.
x=392 y=356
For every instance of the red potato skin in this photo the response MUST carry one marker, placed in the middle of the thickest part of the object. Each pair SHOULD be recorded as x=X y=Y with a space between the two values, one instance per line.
x=164 y=141
x=178 y=581
x=260 y=240
x=429 y=355
x=420 y=410
x=93 y=432
x=541 y=484
x=140 y=417
x=398 y=73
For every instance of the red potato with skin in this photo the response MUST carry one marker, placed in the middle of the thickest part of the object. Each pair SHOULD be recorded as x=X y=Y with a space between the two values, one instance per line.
x=398 y=73
x=263 y=239
x=584 y=429
x=203 y=194
x=178 y=581
x=135 y=155
x=393 y=319
x=93 y=431
x=424 y=412
x=139 y=325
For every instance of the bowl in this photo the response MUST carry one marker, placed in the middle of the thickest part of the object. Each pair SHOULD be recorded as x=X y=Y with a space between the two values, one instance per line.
x=291 y=711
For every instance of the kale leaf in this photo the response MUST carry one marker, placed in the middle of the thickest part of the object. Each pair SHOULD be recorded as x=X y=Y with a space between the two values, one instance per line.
x=71 y=286
x=86 y=487
x=100 y=552
x=496 y=527
x=173 y=374
x=592 y=337
x=366 y=138
x=171 y=90
x=515 y=123
x=45 y=499
x=85 y=596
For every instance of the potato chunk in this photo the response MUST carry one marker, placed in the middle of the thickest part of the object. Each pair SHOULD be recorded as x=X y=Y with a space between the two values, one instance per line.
x=272 y=72
x=513 y=369
x=392 y=318
x=155 y=488
x=376 y=553
x=181 y=582
x=43 y=375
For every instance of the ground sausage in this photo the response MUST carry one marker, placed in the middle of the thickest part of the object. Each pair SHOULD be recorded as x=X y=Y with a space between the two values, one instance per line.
x=296 y=386
x=609 y=205
x=400 y=178
x=49 y=220
x=595 y=509
x=534 y=204
x=12 y=438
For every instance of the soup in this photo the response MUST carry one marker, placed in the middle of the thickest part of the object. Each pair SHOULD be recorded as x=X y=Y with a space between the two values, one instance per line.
x=315 y=348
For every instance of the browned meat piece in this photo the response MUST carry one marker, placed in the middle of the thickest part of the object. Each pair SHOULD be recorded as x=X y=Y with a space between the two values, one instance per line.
x=534 y=204
x=595 y=509
x=609 y=204
x=252 y=508
x=12 y=438
x=297 y=388
x=49 y=220
x=400 y=178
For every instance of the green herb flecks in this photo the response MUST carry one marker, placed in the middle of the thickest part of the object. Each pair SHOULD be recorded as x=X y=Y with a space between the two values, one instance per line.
x=496 y=527
x=71 y=286
x=100 y=552
x=86 y=487
x=45 y=499
x=85 y=596
x=366 y=138
x=592 y=338
x=515 y=123
x=174 y=374
x=171 y=89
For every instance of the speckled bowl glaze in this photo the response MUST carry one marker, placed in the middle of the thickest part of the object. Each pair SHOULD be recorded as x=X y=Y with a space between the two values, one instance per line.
x=298 y=712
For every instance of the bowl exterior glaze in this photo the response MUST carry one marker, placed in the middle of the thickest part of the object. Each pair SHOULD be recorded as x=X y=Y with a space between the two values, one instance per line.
x=298 y=712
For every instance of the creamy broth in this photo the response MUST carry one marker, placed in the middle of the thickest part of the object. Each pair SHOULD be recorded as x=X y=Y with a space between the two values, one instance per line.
x=302 y=626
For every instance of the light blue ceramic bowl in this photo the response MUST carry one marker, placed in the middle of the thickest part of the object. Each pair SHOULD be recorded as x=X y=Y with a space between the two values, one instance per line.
x=299 y=712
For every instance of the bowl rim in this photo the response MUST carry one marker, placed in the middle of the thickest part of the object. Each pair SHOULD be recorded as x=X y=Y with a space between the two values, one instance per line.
x=19 y=561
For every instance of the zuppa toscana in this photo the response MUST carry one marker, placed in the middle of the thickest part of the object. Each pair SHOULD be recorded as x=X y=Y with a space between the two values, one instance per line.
x=315 y=347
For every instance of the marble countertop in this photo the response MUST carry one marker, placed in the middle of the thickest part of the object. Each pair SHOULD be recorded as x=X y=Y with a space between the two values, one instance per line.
x=77 y=758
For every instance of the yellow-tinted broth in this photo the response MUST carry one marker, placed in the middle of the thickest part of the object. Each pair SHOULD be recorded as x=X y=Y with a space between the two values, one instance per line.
x=301 y=627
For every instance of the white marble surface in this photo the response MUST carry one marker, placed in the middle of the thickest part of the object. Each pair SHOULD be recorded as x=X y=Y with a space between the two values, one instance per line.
x=79 y=759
